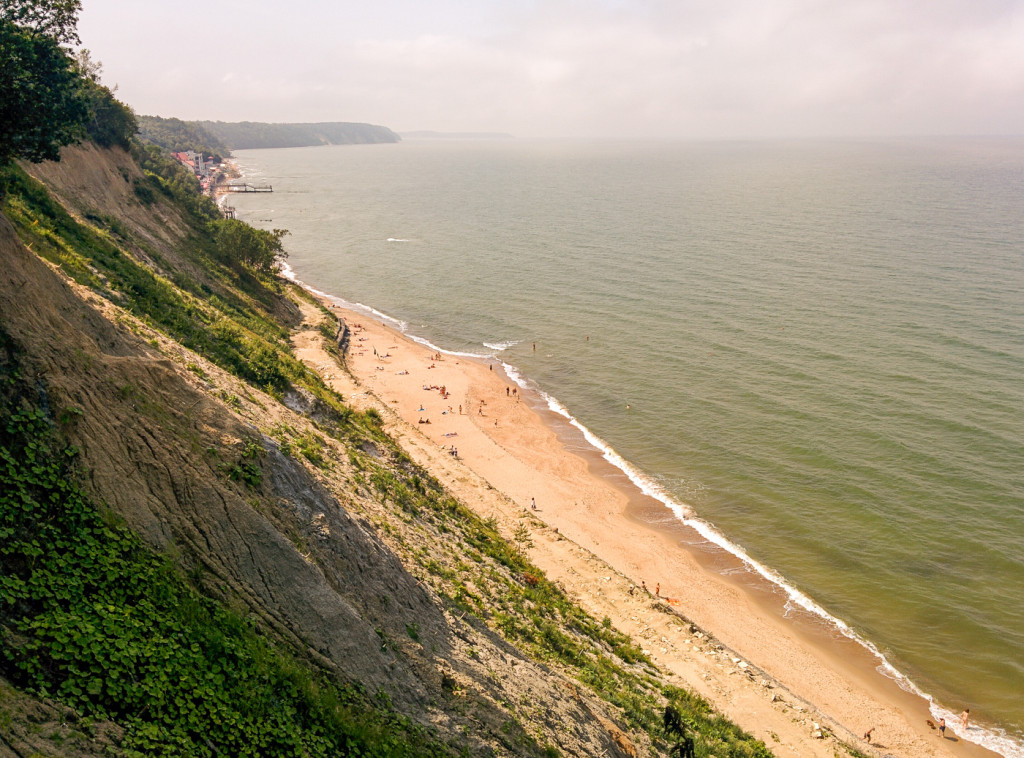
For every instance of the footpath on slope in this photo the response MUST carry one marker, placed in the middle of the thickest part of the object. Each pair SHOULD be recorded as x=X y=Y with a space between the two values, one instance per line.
x=717 y=629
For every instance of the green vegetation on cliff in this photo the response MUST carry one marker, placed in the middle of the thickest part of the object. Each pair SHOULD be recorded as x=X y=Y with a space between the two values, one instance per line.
x=92 y=617
x=49 y=99
x=41 y=107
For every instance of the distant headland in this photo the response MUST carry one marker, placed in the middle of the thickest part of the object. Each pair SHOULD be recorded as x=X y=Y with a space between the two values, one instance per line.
x=217 y=136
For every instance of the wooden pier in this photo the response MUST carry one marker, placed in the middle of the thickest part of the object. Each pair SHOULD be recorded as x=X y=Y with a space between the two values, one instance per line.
x=246 y=187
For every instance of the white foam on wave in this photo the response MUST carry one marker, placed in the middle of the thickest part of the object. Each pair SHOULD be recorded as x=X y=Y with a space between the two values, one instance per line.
x=996 y=740
x=396 y=239
x=435 y=348
x=289 y=273
x=394 y=323
x=502 y=346
x=992 y=739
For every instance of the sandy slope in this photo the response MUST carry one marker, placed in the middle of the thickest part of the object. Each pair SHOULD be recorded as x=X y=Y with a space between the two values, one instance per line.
x=777 y=677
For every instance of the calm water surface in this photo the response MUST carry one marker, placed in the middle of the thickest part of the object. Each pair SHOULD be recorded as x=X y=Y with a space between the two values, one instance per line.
x=821 y=346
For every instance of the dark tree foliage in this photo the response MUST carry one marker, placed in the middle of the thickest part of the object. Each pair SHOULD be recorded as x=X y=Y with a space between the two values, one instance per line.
x=41 y=103
x=674 y=725
x=241 y=244
x=56 y=19
x=109 y=121
x=48 y=99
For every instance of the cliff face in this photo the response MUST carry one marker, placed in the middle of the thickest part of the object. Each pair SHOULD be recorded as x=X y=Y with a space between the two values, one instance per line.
x=306 y=548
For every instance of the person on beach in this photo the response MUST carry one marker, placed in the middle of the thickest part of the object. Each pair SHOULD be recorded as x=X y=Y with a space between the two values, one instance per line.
x=643 y=586
x=867 y=734
x=508 y=391
x=942 y=727
x=533 y=504
x=965 y=717
x=657 y=590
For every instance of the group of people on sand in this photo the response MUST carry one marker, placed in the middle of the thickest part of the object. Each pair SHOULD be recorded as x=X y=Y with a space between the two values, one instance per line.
x=643 y=586
x=965 y=719
x=443 y=389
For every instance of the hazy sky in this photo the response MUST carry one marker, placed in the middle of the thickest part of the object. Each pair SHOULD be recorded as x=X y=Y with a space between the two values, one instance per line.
x=574 y=68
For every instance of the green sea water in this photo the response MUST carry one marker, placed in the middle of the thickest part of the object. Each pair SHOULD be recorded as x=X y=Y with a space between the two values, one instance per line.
x=821 y=347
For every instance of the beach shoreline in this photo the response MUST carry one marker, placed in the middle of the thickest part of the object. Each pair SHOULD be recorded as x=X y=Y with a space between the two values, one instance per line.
x=787 y=677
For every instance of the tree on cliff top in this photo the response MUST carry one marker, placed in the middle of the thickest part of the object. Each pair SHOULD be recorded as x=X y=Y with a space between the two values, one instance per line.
x=56 y=19
x=41 y=103
x=108 y=122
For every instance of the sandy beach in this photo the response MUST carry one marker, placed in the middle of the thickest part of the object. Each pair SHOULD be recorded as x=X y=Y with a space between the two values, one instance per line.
x=720 y=629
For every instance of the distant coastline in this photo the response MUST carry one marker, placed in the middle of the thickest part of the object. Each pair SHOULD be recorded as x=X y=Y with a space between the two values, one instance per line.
x=225 y=136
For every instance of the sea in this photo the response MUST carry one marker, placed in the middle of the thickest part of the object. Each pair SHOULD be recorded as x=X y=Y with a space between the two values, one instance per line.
x=811 y=350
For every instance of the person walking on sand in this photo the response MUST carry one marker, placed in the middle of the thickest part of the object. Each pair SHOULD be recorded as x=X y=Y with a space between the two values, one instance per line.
x=533 y=504
x=867 y=734
x=965 y=717
x=942 y=728
x=657 y=590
